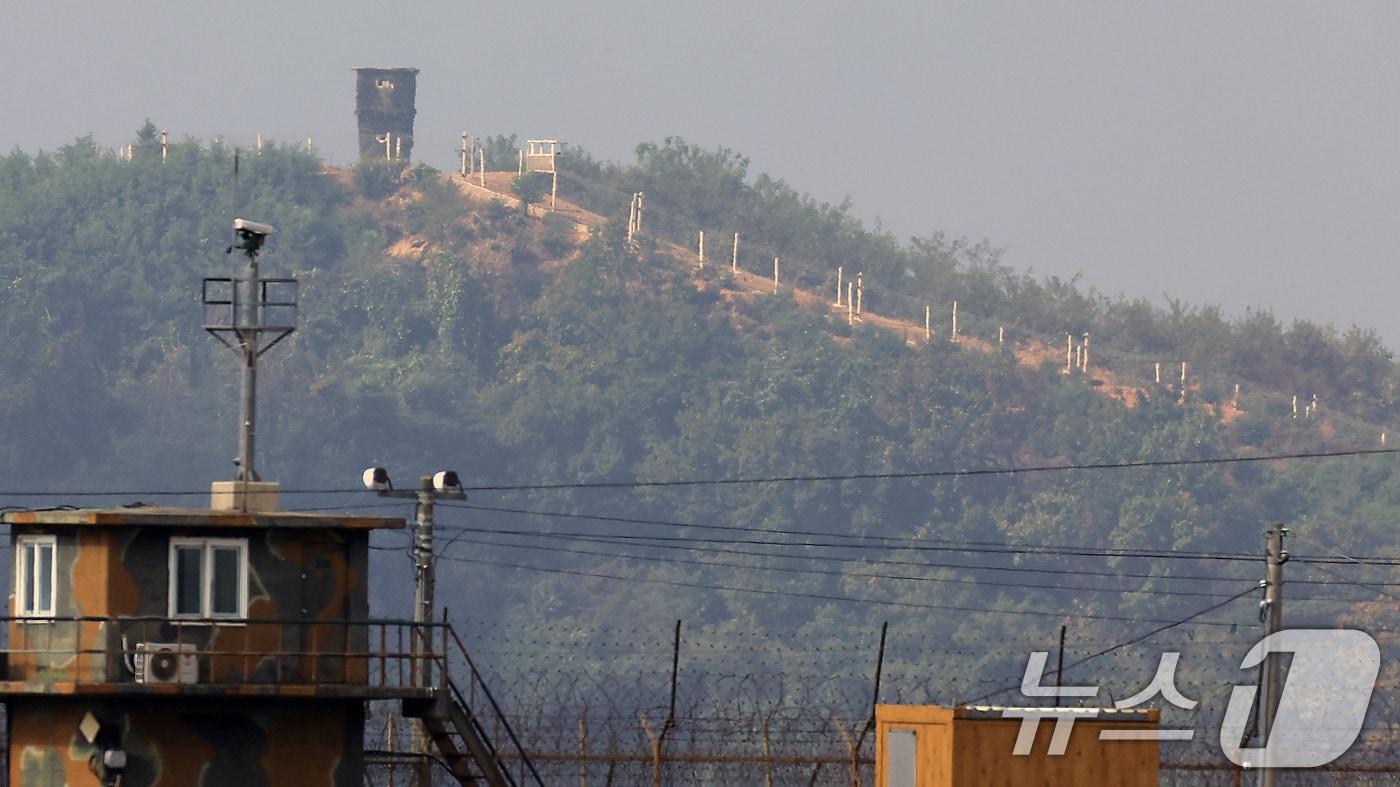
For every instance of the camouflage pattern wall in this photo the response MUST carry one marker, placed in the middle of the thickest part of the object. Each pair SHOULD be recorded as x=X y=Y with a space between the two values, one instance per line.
x=191 y=743
x=293 y=574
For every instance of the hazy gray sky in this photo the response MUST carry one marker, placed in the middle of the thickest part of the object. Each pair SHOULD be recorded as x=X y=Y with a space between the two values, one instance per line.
x=1246 y=154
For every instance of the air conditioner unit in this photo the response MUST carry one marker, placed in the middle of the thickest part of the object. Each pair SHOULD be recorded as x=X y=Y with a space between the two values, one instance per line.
x=166 y=662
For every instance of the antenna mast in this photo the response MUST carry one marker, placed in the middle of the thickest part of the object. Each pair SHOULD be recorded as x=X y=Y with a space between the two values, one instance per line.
x=249 y=315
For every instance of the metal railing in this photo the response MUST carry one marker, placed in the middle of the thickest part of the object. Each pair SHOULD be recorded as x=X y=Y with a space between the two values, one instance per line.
x=476 y=685
x=378 y=654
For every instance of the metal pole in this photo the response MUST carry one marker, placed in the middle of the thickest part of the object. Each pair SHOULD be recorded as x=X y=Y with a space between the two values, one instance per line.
x=1060 y=667
x=248 y=324
x=1273 y=622
x=875 y=695
x=389 y=745
x=423 y=553
x=423 y=613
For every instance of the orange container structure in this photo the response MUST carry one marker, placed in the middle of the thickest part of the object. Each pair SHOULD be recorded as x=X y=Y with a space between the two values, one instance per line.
x=933 y=746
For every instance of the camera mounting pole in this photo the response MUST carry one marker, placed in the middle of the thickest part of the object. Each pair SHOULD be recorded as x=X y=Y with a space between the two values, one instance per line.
x=249 y=315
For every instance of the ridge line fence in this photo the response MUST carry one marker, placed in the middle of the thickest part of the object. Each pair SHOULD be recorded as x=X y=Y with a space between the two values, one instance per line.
x=1208 y=380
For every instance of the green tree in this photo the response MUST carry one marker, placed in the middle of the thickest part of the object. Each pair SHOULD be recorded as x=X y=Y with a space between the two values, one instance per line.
x=529 y=189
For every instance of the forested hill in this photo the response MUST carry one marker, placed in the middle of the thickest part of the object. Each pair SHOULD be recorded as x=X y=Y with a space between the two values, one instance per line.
x=441 y=331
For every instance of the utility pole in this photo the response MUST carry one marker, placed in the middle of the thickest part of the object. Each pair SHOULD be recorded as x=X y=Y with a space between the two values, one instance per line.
x=1273 y=623
x=443 y=485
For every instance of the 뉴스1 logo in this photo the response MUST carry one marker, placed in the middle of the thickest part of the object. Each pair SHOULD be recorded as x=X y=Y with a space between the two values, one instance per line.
x=1322 y=708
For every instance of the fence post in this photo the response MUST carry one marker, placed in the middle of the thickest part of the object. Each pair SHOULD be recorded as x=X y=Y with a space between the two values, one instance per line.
x=582 y=751
x=658 y=741
x=874 y=701
x=389 y=744
x=854 y=750
x=767 y=758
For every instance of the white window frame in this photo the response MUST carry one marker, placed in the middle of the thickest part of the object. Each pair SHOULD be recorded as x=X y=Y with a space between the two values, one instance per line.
x=206 y=576
x=23 y=589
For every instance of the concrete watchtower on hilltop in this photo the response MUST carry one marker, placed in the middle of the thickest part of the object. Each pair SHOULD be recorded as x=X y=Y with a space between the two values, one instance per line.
x=384 y=110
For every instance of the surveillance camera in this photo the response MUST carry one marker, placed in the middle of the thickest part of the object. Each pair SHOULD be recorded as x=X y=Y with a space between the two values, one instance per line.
x=377 y=479
x=256 y=228
x=249 y=235
x=446 y=481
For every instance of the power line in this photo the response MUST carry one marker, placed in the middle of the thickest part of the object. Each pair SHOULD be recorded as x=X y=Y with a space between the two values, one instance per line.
x=991 y=471
x=605 y=538
x=856 y=546
x=1376 y=562
x=830 y=597
x=1133 y=641
x=351 y=507
x=1378 y=589
x=836 y=573
x=1125 y=552
x=964 y=473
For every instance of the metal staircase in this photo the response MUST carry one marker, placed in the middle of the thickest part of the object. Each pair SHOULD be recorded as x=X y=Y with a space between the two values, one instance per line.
x=462 y=742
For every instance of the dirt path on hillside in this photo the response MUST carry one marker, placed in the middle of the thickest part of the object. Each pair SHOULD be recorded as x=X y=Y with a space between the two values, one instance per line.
x=1029 y=352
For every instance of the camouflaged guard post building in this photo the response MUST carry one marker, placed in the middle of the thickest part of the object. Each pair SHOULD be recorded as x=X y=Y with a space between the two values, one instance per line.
x=384 y=110
x=208 y=647
x=213 y=647
x=175 y=647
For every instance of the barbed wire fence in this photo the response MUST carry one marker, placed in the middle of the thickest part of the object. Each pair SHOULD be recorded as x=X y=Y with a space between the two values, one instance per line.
x=593 y=706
